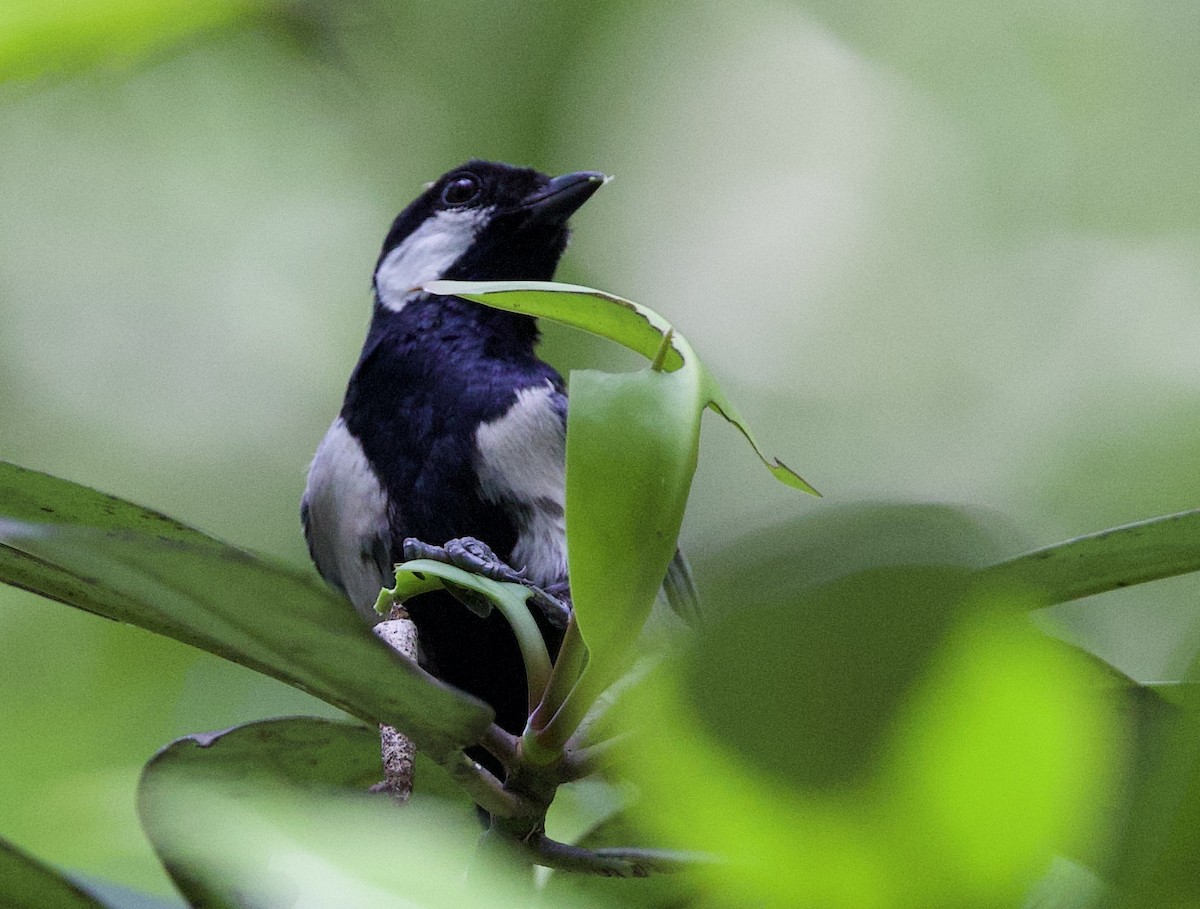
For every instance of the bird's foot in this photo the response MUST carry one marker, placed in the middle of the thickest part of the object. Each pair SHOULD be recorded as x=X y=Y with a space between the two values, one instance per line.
x=477 y=557
x=467 y=553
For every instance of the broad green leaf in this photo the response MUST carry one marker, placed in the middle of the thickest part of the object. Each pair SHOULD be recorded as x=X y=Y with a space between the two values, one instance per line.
x=308 y=751
x=990 y=755
x=303 y=752
x=47 y=36
x=252 y=817
x=635 y=326
x=839 y=659
x=625 y=502
x=26 y=883
x=1120 y=557
x=119 y=560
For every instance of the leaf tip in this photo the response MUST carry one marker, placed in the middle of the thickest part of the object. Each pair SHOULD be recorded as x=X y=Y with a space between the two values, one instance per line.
x=789 y=477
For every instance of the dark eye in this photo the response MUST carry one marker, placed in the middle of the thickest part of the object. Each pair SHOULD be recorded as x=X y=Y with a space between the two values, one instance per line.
x=461 y=190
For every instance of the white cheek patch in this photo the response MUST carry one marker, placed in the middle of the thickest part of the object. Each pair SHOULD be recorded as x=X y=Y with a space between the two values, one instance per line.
x=426 y=254
x=521 y=460
x=346 y=523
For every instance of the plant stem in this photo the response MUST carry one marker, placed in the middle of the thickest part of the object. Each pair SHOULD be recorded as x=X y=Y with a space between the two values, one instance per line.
x=513 y=604
x=501 y=745
x=618 y=862
x=564 y=677
x=553 y=736
x=487 y=791
x=577 y=763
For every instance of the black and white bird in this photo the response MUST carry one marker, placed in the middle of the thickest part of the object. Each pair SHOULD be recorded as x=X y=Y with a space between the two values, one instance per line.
x=451 y=426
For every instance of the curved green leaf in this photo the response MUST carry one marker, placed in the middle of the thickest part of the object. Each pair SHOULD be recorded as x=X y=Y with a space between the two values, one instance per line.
x=424 y=575
x=640 y=329
x=1111 y=559
x=291 y=753
x=119 y=560
x=287 y=756
x=26 y=883
x=630 y=324
x=259 y=816
x=991 y=749
x=625 y=503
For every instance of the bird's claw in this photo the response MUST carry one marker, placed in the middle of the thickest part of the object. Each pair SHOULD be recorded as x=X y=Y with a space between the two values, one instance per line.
x=476 y=557
x=467 y=553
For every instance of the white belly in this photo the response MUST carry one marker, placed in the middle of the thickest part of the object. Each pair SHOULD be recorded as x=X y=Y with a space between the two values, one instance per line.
x=346 y=520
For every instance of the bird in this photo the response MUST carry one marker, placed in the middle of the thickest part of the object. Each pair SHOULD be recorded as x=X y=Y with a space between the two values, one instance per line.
x=452 y=427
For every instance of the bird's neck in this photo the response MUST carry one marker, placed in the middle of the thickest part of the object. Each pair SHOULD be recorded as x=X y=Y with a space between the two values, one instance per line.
x=449 y=326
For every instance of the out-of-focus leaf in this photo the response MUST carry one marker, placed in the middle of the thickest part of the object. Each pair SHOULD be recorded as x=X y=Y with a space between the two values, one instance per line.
x=26 y=883
x=837 y=662
x=303 y=752
x=988 y=758
x=777 y=563
x=1121 y=557
x=39 y=36
x=1067 y=886
x=119 y=560
x=264 y=847
x=841 y=610
x=1179 y=694
x=1159 y=860
x=117 y=896
x=1005 y=758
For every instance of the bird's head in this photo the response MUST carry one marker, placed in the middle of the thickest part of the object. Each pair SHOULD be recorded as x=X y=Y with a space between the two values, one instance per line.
x=483 y=221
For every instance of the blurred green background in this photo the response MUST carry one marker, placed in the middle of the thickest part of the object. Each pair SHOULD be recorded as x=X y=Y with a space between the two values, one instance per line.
x=936 y=252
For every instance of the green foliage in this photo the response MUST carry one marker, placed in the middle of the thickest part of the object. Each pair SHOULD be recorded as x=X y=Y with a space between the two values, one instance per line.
x=1132 y=554
x=39 y=38
x=625 y=493
x=866 y=719
x=270 y=812
x=28 y=884
x=128 y=563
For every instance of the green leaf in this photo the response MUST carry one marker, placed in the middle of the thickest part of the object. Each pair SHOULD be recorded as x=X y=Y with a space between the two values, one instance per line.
x=119 y=560
x=630 y=324
x=632 y=443
x=625 y=503
x=258 y=816
x=1067 y=885
x=1111 y=559
x=640 y=329
x=838 y=660
x=1158 y=863
x=37 y=37
x=302 y=752
x=908 y=743
x=26 y=883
